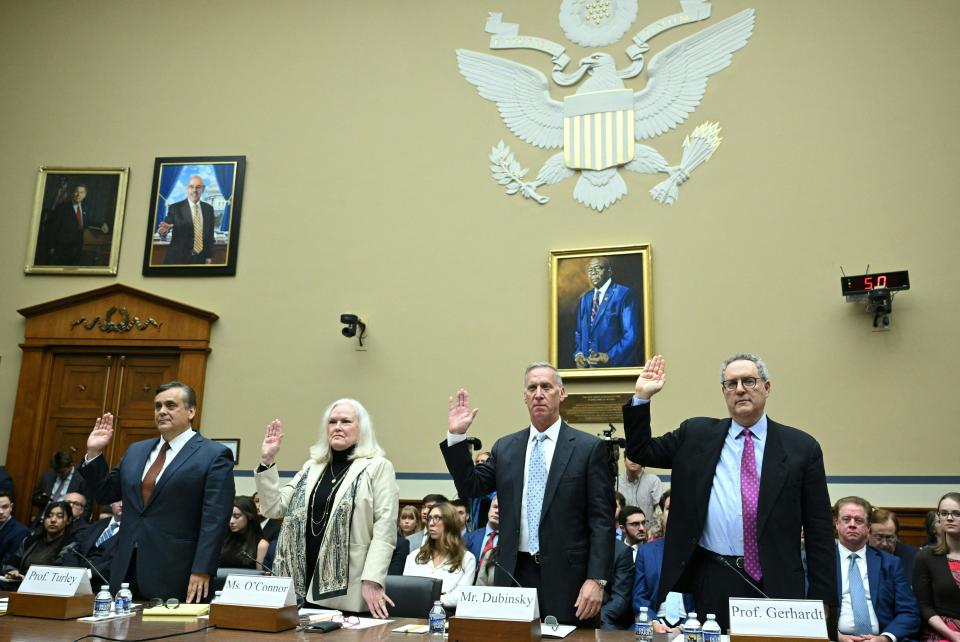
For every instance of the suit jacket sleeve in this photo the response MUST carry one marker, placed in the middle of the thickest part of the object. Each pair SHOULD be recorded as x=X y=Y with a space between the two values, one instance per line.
x=642 y=448
x=818 y=531
x=627 y=345
x=218 y=493
x=470 y=480
x=906 y=620
x=104 y=484
x=207 y=220
x=386 y=501
x=600 y=509
x=615 y=612
x=274 y=498
x=643 y=590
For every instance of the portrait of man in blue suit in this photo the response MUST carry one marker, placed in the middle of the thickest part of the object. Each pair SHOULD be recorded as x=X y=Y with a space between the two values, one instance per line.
x=608 y=322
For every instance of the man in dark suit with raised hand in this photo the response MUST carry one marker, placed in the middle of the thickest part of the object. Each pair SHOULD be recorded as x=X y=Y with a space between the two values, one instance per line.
x=177 y=494
x=555 y=495
x=742 y=488
x=191 y=221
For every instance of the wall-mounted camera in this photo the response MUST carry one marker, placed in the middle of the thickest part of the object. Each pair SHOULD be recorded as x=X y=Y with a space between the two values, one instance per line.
x=876 y=292
x=355 y=327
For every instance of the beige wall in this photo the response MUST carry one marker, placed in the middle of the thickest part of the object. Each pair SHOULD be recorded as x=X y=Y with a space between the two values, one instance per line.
x=368 y=191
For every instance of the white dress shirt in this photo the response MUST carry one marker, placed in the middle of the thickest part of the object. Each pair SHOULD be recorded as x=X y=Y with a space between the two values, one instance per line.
x=452 y=579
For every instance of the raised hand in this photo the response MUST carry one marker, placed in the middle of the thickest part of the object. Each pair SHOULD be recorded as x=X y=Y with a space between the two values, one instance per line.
x=271 y=442
x=460 y=416
x=100 y=436
x=651 y=378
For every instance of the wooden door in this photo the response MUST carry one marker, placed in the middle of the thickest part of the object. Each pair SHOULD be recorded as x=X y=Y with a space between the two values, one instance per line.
x=138 y=375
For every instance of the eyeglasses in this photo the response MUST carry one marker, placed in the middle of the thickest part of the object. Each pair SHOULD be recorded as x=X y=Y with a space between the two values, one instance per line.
x=346 y=621
x=884 y=538
x=76 y=503
x=731 y=384
x=434 y=518
x=949 y=514
x=171 y=603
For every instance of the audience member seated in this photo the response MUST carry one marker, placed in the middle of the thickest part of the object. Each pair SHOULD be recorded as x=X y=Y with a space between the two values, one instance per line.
x=443 y=555
x=633 y=523
x=270 y=527
x=668 y=616
x=483 y=540
x=932 y=528
x=420 y=537
x=61 y=478
x=462 y=507
x=479 y=506
x=874 y=595
x=244 y=542
x=639 y=488
x=619 y=503
x=408 y=522
x=615 y=612
x=44 y=544
x=400 y=552
x=936 y=576
x=12 y=532
x=885 y=535
x=98 y=542
x=80 y=510
x=6 y=483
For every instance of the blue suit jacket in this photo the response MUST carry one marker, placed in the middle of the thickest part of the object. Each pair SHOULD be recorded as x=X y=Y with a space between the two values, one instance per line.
x=615 y=330
x=893 y=601
x=646 y=583
x=181 y=528
x=474 y=541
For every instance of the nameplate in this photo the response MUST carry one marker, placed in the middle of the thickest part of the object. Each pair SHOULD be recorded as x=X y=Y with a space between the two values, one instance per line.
x=498 y=603
x=258 y=590
x=796 y=618
x=56 y=580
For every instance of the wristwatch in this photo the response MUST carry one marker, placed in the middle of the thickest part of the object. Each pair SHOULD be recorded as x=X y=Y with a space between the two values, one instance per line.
x=602 y=583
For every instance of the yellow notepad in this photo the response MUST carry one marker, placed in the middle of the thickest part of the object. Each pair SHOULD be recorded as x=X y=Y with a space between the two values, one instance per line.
x=183 y=609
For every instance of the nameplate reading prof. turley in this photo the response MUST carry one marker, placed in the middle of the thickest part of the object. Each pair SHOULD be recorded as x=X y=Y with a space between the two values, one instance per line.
x=796 y=618
x=56 y=580
x=498 y=603
x=258 y=590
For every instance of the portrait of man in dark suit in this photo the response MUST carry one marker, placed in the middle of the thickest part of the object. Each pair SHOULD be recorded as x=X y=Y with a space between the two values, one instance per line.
x=555 y=497
x=608 y=323
x=190 y=222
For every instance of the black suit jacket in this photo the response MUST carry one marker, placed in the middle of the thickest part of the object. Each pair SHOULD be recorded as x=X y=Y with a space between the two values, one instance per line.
x=63 y=235
x=793 y=494
x=181 y=528
x=576 y=520
x=617 y=611
x=101 y=556
x=180 y=250
x=77 y=485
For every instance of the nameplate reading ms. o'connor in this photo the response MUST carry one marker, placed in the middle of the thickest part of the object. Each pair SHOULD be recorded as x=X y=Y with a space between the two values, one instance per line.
x=796 y=618
x=498 y=603
x=258 y=590
x=56 y=580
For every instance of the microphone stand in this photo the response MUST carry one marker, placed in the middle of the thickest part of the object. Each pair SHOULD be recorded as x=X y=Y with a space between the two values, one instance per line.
x=72 y=548
x=301 y=599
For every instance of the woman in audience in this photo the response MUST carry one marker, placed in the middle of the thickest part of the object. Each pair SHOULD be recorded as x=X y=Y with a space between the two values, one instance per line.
x=409 y=520
x=44 y=544
x=340 y=513
x=936 y=576
x=244 y=542
x=443 y=555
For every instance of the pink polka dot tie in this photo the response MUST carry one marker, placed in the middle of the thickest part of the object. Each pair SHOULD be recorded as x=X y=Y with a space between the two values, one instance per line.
x=749 y=494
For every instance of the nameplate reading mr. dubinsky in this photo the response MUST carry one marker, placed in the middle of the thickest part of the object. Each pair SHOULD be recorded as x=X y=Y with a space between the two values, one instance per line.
x=498 y=603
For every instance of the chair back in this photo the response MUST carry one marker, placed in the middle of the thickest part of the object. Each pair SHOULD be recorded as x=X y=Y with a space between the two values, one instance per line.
x=412 y=596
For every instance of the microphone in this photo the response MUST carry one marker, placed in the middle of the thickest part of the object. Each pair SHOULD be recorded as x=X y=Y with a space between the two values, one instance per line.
x=474 y=442
x=72 y=548
x=301 y=599
x=497 y=564
x=746 y=578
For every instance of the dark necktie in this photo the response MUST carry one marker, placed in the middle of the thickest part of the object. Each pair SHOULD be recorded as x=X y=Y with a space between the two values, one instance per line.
x=749 y=494
x=488 y=546
x=596 y=304
x=150 y=481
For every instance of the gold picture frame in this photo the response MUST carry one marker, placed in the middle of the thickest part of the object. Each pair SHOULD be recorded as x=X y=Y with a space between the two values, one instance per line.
x=618 y=338
x=77 y=220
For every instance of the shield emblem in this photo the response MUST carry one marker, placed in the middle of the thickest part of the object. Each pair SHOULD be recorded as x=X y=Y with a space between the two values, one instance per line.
x=598 y=129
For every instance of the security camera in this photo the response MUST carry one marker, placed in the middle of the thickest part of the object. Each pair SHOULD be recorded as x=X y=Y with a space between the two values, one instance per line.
x=352 y=322
x=880 y=304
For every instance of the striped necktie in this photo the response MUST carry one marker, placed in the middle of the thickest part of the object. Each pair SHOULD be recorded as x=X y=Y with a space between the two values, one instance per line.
x=197 y=229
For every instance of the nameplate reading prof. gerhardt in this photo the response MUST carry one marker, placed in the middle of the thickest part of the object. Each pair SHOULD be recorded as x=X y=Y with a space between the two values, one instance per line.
x=796 y=618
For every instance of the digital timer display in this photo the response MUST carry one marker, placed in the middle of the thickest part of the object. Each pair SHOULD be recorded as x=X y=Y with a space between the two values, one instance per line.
x=894 y=281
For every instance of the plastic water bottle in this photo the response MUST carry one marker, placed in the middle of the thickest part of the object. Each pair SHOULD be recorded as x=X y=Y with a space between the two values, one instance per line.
x=643 y=629
x=102 y=602
x=711 y=630
x=691 y=629
x=123 y=600
x=438 y=620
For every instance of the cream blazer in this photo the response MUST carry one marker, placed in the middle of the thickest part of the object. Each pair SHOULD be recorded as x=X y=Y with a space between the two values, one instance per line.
x=373 y=532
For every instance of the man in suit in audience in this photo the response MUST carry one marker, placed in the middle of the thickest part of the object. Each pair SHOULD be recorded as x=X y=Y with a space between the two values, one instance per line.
x=556 y=532
x=81 y=512
x=876 y=603
x=177 y=493
x=483 y=540
x=743 y=487
x=617 y=611
x=12 y=532
x=98 y=542
x=633 y=525
x=58 y=480
x=191 y=221
x=884 y=534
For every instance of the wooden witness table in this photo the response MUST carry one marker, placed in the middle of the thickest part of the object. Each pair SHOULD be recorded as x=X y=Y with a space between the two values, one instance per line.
x=26 y=629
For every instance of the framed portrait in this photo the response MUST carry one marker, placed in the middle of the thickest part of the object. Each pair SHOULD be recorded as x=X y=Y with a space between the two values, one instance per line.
x=195 y=205
x=600 y=311
x=233 y=445
x=77 y=220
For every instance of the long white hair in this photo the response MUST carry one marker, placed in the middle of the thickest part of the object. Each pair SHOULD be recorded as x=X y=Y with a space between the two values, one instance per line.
x=367 y=445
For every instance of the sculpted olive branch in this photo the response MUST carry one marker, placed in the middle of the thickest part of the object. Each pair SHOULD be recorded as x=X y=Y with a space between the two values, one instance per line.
x=126 y=324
